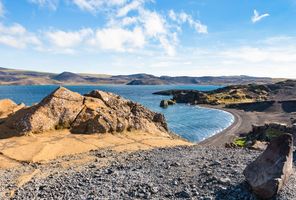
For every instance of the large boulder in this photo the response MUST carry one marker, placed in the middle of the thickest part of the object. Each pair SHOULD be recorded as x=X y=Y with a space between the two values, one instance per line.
x=106 y=112
x=96 y=112
x=271 y=170
x=56 y=111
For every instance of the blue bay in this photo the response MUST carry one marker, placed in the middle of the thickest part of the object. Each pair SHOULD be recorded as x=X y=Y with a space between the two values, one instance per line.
x=191 y=122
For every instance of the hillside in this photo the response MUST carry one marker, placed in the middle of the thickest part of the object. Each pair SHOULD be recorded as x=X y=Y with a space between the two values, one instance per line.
x=22 y=77
x=280 y=91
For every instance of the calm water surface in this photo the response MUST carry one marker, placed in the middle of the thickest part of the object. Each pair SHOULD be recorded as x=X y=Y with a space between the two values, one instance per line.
x=191 y=122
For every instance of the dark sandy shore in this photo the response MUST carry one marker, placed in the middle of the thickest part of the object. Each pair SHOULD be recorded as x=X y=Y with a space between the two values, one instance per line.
x=240 y=124
x=243 y=122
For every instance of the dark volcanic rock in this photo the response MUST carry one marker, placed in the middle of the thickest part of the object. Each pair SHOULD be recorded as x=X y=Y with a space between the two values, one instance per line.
x=164 y=103
x=271 y=170
x=192 y=97
x=172 y=92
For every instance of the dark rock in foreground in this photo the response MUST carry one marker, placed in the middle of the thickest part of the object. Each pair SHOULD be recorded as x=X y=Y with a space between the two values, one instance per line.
x=271 y=170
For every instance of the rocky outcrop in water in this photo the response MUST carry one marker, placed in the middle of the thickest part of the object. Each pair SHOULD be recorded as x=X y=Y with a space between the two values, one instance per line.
x=96 y=112
x=166 y=103
x=271 y=170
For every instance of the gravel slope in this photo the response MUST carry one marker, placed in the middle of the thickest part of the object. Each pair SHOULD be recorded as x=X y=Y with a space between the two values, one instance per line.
x=175 y=173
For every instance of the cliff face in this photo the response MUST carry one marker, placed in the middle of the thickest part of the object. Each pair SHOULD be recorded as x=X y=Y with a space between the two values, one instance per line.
x=96 y=112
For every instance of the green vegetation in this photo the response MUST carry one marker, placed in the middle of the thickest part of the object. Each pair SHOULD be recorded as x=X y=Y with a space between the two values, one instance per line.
x=272 y=133
x=240 y=142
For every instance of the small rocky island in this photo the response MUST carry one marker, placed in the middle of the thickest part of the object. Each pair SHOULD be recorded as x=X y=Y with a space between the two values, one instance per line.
x=102 y=146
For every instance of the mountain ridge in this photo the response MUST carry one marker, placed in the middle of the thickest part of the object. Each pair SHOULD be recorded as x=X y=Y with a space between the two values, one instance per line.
x=24 y=77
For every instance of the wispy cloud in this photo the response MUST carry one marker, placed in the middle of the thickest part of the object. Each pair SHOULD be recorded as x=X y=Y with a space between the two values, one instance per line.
x=17 y=36
x=94 y=6
x=257 y=17
x=68 y=39
x=183 y=17
x=51 y=4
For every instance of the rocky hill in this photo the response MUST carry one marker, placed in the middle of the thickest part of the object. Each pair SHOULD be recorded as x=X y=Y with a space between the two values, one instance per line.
x=281 y=91
x=96 y=112
x=69 y=77
x=21 y=77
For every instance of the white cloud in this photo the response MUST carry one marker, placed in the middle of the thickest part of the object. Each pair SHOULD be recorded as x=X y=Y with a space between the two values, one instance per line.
x=257 y=17
x=124 y=31
x=183 y=17
x=130 y=26
x=168 y=46
x=154 y=24
x=119 y=39
x=155 y=28
x=95 y=5
x=134 y=5
x=1 y=9
x=68 y=39
x=52 y=4
x=126 y=21
x=17 y=36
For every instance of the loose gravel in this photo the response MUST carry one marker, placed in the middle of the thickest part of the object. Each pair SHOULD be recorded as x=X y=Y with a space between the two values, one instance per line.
x=173 y=173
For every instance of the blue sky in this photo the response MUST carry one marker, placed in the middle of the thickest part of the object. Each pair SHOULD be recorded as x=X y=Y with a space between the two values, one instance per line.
x=161 y=37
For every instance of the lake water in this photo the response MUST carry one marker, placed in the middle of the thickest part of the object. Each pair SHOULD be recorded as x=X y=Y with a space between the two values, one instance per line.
x=191 y=122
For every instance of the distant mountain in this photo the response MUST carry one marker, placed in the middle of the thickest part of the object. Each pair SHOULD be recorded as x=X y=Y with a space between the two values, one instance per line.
x=136 y=76
x=69 y=77
x=147 y=82
x=22 y=77
x=205 y=80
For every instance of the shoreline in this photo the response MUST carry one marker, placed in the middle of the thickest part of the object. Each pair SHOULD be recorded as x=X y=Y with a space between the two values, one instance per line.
x=243 y=123
x=228 y=134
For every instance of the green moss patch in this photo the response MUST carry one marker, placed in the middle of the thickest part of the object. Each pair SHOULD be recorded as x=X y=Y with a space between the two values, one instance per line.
x=240 y=142
x=272 y=133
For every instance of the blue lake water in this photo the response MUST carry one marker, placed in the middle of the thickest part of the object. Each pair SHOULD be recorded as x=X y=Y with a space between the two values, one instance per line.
x=191 y=122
